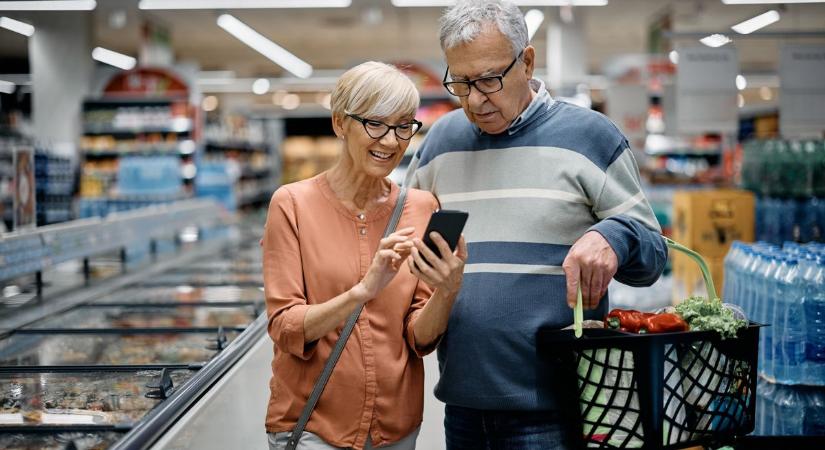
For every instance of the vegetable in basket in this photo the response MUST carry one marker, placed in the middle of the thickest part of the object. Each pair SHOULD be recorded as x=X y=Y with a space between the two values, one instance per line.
x=663 y=323
x=710 y=315
x=628 y=320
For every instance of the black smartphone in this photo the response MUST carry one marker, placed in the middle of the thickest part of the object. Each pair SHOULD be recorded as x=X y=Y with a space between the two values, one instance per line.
x=447 y=223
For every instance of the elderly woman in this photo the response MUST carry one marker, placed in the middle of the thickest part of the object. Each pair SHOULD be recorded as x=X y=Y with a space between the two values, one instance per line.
x=324 y=256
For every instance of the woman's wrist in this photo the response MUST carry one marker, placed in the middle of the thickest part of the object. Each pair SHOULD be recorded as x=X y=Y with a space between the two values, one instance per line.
x=359 y=293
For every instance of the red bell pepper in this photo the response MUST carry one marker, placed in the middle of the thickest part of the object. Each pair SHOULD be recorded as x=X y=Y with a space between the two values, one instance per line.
x=628 y=320
x=663 y=323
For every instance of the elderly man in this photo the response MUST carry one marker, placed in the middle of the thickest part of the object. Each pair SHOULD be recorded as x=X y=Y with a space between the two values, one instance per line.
x=555 y=203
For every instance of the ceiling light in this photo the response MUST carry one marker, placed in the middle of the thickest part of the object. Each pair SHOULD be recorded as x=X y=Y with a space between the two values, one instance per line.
x=423 y=3
x=260 y=86
x=767 y=2
x=246 y=4
x=209 y=103
x=48 y=5
x=715 y=40
x=264 y=46
x=760 y=21
x=741 y=82
x=116 y=59
x=291 y=101
x=534 y=18
x=278 y=97
x=673 y=56
x=16 y=26
x=7 y=87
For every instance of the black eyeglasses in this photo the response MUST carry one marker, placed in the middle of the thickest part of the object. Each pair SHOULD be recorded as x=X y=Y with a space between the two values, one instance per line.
x=485 y=85
x=377 y=129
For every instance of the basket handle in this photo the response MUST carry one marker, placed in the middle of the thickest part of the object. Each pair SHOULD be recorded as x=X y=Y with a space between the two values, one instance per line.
x=578 y=314
x=703 y=266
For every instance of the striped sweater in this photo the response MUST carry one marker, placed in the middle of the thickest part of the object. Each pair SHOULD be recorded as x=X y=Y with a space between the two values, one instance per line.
x=558 y=172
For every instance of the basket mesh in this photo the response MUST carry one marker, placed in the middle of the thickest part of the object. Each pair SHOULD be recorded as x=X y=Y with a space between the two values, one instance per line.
x=705 y=394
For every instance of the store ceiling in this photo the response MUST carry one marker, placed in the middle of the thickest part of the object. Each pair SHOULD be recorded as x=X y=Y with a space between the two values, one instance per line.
x=374 y=29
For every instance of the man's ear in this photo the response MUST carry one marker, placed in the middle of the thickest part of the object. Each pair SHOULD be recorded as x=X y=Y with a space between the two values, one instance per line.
x=529 y=58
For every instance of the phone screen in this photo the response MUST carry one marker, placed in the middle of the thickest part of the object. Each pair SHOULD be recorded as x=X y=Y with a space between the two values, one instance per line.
x=447 y=223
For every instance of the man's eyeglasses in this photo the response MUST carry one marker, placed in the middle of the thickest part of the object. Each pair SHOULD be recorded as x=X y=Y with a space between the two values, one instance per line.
x=485 y=85
x=377 y=129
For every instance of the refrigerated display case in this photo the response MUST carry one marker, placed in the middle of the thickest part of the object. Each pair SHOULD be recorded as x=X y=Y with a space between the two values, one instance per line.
x=120 y=368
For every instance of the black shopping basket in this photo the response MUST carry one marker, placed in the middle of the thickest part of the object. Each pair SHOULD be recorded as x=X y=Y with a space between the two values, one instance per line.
x=658 y=391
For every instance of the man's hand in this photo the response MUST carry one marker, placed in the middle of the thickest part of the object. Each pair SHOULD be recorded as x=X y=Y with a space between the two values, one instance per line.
x=591 y=262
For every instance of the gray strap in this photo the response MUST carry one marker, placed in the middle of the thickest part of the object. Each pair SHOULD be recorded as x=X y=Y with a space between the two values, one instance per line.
x=321 y=383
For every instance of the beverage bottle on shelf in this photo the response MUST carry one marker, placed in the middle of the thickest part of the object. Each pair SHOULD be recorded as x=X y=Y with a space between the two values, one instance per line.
x=815 y=325
x=769 y=168
x=766 y=304
x=744 y=281
x=759 y=218
x=752 y=165
x=818 y=167
x=789 y=341
x=730 y=263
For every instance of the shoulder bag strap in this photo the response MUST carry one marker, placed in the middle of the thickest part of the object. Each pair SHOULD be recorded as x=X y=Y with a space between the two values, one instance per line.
x=321 y=383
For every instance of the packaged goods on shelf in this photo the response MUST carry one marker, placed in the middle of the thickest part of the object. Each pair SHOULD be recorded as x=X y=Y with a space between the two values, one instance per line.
x=784 y=169
x=784 y=287
x=783 y=410
x=304 y=157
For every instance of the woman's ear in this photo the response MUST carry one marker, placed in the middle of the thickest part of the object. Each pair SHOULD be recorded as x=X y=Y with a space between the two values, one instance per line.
x=338 y=125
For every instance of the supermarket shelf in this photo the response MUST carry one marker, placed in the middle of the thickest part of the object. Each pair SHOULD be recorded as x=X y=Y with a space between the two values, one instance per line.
x=98 y=130
x=121 y=153
x=238 y=146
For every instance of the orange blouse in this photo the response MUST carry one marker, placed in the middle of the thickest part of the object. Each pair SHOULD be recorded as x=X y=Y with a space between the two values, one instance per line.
x=314 y=249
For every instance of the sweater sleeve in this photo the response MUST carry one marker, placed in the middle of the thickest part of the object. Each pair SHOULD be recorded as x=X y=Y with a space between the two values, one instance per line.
x=286 y=303
x=628 y=224
x=422 y=295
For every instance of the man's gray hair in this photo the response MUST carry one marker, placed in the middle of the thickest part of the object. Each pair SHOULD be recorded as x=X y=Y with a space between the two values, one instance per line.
x=465 y=20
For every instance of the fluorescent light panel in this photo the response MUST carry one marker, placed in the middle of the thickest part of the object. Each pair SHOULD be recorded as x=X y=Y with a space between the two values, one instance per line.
x=264 y=46
x=112 y=58
x=48 y=5
x=715 y=40
x=425 y=3
x=767 y=2
x=760 y=21
x=16 y=26
x=534 y=18
x=6 y=87
x=246 y=4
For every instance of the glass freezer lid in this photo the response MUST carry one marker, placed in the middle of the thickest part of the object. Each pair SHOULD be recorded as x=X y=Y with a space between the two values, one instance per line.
x=58 y=441
x=203 y=279
x=234 y=266
x=125 y=317
x=81 y=398
x=184 y=293
x=58 y=349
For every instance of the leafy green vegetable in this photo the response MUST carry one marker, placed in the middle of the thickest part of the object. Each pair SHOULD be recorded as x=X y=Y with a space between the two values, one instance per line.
x=709 y=315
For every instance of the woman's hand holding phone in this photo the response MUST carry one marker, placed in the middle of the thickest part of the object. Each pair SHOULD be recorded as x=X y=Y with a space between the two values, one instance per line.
x=445 y=272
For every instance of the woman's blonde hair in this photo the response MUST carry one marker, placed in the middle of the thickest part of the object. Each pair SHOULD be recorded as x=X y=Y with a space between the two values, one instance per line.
x=374 y=90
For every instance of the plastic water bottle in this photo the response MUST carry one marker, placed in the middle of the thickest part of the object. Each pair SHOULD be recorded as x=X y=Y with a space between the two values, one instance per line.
x=789 y=347
x=731 y=263
x=815 y=325
x=766 y=305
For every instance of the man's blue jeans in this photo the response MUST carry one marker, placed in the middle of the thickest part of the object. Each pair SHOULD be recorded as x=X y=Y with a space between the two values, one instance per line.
x=472 y=429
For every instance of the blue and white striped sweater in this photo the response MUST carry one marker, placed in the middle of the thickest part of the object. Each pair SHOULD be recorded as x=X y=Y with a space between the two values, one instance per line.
x=557 y=173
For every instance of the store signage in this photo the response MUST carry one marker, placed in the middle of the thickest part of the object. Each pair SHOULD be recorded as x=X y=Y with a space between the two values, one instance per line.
x=24 y=193
x=706 y=90
x=802 y=91
x=627 y=107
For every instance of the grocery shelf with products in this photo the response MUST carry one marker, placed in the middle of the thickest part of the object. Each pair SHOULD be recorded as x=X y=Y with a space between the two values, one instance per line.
x=243 y=151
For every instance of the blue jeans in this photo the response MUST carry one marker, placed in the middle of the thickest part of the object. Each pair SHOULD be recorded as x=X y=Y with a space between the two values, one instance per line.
x=472 y=429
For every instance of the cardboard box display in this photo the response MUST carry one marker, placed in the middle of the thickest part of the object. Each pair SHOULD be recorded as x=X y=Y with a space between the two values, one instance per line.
x=708 y=221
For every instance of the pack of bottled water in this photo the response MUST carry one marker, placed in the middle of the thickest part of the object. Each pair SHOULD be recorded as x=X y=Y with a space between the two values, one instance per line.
x=783 y=286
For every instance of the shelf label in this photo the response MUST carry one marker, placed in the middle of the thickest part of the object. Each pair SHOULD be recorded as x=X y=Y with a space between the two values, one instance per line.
x=802 y=91
x=706 y=90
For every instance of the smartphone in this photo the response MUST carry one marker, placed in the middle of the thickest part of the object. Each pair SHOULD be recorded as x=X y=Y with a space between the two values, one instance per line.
x=447 y=223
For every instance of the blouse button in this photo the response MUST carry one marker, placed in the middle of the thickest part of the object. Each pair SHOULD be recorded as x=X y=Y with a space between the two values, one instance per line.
x=361 y=216
x=363 y=231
